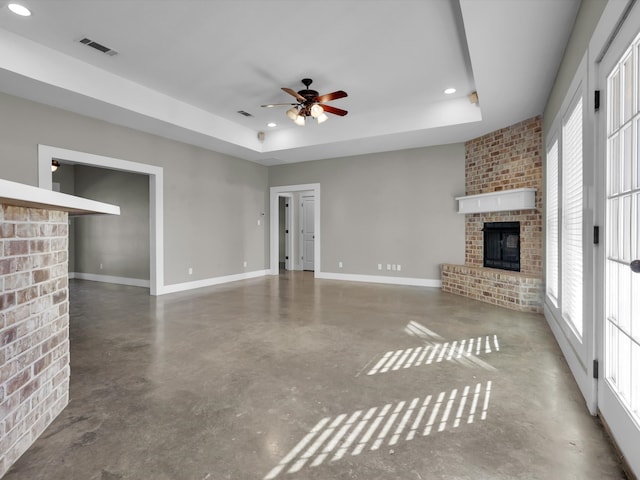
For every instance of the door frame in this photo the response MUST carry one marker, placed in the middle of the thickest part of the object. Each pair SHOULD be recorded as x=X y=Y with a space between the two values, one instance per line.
x=274 y=222
x=48 y=153
x=578 y=349
x=622 y=20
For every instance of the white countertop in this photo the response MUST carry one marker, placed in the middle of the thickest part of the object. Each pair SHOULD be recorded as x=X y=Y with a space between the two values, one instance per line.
x=21 y=195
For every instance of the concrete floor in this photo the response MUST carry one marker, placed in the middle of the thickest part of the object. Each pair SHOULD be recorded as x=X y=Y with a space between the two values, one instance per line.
x=294 y=378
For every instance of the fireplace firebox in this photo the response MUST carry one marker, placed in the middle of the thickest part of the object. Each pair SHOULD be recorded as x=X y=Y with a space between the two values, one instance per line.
x=502 y=245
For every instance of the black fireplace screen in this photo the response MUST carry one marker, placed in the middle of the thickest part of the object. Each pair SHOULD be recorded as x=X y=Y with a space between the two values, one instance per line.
x=502 y=245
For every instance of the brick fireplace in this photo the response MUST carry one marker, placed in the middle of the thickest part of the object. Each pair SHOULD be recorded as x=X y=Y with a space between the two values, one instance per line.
x=504 y=160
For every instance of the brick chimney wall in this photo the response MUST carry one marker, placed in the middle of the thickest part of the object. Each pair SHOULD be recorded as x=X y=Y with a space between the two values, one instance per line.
x=506 y=159
x=503 y=160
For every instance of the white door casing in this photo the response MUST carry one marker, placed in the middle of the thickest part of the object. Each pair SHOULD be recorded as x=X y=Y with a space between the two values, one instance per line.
x=47 y=153
x=273 y=225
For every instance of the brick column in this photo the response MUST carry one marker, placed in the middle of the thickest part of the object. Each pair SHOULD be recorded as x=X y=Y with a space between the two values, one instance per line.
x=34 y=326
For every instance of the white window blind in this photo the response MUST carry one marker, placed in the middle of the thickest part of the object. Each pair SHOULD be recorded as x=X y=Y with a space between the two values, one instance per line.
x=552 y=223
x=572 y=206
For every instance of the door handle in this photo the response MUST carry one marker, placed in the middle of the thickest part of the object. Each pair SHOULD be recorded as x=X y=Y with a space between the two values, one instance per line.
x=635 y=266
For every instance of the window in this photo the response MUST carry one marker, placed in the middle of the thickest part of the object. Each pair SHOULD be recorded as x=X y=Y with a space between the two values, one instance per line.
x=572 y=218
x=552 y=223
x=564 y=224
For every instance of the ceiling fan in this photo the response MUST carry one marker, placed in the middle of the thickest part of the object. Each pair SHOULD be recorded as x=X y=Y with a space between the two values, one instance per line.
x=311 y=104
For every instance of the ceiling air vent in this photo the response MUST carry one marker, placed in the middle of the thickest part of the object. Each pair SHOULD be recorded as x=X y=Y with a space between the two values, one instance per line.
x=246 y=114
x=90 y=43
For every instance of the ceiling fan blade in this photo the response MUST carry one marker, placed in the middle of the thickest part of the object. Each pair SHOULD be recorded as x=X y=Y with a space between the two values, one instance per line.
x=293 y=93
x=270 y=105
x=331 y=96
x=334 y=110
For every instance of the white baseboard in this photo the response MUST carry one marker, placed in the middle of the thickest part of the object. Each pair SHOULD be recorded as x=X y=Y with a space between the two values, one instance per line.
x=349 y=277
x=208 y=282
x=134 y=282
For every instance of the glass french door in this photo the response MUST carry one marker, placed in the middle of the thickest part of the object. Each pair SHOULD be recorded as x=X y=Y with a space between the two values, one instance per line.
x=619 y=383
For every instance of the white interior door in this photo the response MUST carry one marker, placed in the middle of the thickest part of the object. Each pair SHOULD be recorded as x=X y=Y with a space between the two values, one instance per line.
x=307 y=231
x=619 y=385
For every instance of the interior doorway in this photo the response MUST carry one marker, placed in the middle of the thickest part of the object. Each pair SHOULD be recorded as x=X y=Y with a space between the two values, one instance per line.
x=295 y=243
x=48 y=153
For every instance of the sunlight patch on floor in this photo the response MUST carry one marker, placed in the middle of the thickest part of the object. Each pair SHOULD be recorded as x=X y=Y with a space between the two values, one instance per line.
x=464 y=351
x=386 y=425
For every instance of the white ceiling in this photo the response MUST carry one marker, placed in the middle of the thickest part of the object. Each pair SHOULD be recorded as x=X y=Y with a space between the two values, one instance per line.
x=185 y=67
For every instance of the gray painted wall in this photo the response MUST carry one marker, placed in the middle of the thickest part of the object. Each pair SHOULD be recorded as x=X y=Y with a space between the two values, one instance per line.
x=381 y=208
x=119 y=243
x=396 y=207
x=212 y=202
x=588 y=15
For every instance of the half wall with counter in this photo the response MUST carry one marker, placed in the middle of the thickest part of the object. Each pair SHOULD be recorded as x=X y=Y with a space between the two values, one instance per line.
x=34 y=310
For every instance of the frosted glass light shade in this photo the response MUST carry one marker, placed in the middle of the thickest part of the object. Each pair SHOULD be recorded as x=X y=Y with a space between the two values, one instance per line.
x=316 y=111
x=292 y=113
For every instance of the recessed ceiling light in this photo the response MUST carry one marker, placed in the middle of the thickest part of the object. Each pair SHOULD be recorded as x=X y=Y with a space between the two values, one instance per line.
x=449 y=91
x=272 y=124
x=19 y=9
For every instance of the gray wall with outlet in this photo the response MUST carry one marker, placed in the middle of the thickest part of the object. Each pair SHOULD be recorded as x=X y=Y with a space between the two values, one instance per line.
x=110 y=245
x=394 y=208
x=105 y=245
x=211 y=201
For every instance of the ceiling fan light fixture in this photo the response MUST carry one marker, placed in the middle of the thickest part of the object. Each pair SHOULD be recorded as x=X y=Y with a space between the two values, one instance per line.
x=316 y=110
x=310 y=104
x=292 y=113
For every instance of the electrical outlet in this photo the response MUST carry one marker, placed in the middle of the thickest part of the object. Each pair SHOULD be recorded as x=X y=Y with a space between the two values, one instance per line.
x=393 y=267
x=100 y=266
x=399 y=267
x=259 y=222
x=339 y=264
x=244 y=264
x=379 y=266
x=190 y=271
x=388 y=266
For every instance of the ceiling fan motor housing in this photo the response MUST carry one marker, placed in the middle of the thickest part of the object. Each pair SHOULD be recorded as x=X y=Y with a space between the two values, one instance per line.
x=310 y=95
